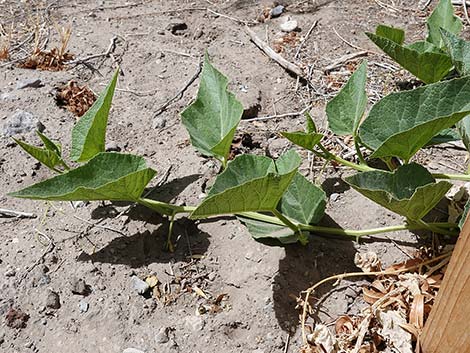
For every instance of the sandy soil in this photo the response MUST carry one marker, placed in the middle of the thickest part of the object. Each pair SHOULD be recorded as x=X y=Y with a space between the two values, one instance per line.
x=258 y=312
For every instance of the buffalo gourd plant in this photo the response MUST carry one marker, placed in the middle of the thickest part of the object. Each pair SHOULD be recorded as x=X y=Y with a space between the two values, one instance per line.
x=443 y=55
x=270 y=196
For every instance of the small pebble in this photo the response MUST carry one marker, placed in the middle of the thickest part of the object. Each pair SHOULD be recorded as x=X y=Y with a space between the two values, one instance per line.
x=112 y=147
x=10 y=272
x=28 y=344
x=334 y=197
x=79 y=287
x=289 y=26
x=141 y=287
x=276 y=11
x=194 y=323
x=159 y=122
x=162 y=336
x=83 y=306
x=29 y=82
x=52 y=300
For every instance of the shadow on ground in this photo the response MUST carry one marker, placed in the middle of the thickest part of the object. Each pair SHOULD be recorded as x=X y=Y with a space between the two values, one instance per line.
x=147 y=247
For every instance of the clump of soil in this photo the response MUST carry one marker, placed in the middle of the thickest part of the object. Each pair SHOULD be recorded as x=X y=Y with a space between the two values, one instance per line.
x=78 y=99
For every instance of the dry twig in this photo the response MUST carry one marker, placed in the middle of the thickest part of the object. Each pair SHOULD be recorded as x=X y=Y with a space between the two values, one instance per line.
x=273 y=55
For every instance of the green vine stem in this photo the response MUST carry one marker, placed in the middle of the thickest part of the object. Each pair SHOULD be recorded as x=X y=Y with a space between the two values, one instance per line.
x=279 y=219
x=365 y=168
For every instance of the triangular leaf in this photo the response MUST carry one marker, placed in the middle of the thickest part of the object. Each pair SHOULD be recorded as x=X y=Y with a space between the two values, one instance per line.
x=303 y=201
x=311 y=127
x=442 y=17
x=303 y=139
x=89 y=133
x=346 y=109
x=308 y=139
x=263 y=230
x=108 y=176
x=213 y=117
x=459 y=51
x=396 y=35
x=49 y=144
x=410 y=190
x=401 y=123
x=249 y=183
x=47 y=157
x=428 y=66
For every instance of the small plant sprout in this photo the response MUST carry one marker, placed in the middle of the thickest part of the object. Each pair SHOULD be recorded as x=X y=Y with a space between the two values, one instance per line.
x=271 y=197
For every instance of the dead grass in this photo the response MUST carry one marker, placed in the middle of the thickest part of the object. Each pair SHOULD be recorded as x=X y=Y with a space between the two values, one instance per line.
x=400 y=299
x=54 y=59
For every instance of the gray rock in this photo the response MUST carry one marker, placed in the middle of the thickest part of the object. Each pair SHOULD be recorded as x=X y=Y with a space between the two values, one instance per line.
x=132 y=350
x=159 y=122
x=2 y=337
x=21 y=122
x=52 y=300
x=79 y=287
x=334 y=197
x=29 y=82
x=28 y=344
x=276 y=11
x=141 y=287
x=194 y=323
x=83 y=306
x=289 y=26
x=162 y=336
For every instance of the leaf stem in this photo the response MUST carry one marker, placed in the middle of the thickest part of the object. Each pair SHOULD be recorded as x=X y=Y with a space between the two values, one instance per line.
x=331 y=156
x=464 y=177
x=359 y=152
x=280 y=219
x=285 y=220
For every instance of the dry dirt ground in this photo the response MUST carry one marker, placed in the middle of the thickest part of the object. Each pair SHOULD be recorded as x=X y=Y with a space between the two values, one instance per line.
x=260 y=283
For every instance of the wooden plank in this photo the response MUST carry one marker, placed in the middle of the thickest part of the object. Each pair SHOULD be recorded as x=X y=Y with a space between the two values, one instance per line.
x=447 y=330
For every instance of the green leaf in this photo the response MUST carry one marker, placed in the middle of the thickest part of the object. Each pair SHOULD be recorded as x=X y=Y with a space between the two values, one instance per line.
x=401 y=123
x=89 y=133
x=428 y=66
x=303 y=139
x=463 y=217
x=108 y=176
x=424 y=47
x=213 y=117
x=396 y=35
x=47 y=157
x=347 y=108
x=249 y=183
x=410 y=190
x=311 y=128
x=303 y=201
x=49 y=144
x=307 y=139
x=463 y=126
x=262 y=230
x=446 y=135
x=442 y=17
x=459 y=51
